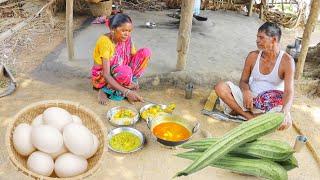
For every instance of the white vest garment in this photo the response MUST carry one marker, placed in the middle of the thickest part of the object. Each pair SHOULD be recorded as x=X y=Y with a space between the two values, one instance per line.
x=259 y=82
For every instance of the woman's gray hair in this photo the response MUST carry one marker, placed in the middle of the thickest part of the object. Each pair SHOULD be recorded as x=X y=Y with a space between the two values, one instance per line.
x=271 y=29
x=118 y=19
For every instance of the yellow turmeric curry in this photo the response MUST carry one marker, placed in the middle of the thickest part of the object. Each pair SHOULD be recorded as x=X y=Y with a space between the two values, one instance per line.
x=171 y=131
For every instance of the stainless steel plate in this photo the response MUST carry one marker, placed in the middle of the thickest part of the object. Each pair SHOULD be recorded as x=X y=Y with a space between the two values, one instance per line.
x=127 y=121
x=149 y=106
x=126 y=129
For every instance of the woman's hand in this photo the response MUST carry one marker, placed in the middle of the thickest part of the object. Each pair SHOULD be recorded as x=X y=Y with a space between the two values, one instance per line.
x=134 y=97
x=248 y=100
x=287 y=122
x=133 y=86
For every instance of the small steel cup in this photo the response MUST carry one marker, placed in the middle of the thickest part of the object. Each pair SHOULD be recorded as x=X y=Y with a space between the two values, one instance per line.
x=188 y=91
x=301 y=140
x=297 y=44
x=151 y=24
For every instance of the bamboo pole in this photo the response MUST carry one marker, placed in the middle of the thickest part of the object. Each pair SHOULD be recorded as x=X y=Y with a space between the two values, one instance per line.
x=69 y=28
x=184 y=33
x=311 y=22
x=22 y=24
x=263 y=5
x=3 y=1
x=250 y=7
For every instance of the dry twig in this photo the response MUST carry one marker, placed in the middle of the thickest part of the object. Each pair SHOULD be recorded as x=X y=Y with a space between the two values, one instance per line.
x=19 y=26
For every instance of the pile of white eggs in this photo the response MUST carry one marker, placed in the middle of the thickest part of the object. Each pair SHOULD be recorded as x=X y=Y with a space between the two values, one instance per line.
x=55 y=141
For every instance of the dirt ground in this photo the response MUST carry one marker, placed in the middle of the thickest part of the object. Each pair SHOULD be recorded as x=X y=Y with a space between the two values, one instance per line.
x=154 y=161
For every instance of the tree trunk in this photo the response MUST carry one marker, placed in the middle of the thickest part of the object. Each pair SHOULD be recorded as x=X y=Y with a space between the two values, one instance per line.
x=311 y=22
x=3 y=1
x=184 y=33
x=250 y=7
x=69 y=28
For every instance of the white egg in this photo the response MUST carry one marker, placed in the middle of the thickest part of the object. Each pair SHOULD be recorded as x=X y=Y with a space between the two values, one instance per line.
x=61 y=151
x=94 y=147
x=22 y=139
x=40 y=163
x=78 y=139
x=57 y=117
x=76 y=119
x=37 y=121
x=68 y=165
x=46 y=138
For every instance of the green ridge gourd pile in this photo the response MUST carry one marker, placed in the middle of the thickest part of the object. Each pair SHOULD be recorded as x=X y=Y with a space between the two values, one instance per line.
x=240 y=150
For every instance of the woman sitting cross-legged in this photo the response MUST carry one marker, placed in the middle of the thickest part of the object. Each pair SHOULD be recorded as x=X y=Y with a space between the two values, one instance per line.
x=117 y=65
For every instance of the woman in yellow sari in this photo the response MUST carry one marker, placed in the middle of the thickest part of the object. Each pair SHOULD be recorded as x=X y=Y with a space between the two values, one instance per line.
x=117 y=65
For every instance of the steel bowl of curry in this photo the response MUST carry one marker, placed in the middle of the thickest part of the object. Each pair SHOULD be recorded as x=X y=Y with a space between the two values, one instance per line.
x=122 y=116
x=172 y=130
x=153 y=110
x=125 y=140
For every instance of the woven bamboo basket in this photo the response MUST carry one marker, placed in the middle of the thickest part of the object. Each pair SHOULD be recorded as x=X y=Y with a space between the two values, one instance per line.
x=103 y=8
x=284 y=19
x=89 y=119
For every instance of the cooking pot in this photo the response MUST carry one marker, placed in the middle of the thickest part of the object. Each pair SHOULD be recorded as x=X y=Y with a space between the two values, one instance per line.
x=165 y=117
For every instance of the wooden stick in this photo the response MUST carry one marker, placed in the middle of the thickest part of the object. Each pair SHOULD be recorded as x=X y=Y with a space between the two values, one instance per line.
x=69 y=28
x=311 y=22
x=3 y=1
x=184 y=33
x=22 y=24
x=309 y=145
x=10 y=5
x=250 y=7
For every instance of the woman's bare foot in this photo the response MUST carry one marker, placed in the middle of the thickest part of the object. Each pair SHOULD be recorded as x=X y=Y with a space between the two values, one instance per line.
x=102 y=97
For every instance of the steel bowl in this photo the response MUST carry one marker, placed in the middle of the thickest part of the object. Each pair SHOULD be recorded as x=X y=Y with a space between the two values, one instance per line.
x=126 y=129
x=149 y=106
x=151 y=25
x=125 y=122
x=193 y=128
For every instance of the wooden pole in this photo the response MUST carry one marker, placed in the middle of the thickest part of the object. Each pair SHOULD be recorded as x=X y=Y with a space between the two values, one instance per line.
x=184 y=33
x=69 y=28
x=250 y=7
x=311 y=22
x=3 y=1
x=263 y=5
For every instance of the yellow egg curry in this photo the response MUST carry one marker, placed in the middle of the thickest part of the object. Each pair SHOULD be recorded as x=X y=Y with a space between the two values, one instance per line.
x=171 y=131
x=154 y=111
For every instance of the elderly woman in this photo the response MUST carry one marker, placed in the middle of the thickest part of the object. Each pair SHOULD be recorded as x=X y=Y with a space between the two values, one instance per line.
x=117 y=64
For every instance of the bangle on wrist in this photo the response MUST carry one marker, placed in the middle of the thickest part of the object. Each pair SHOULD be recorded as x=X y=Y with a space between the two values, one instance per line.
x=126 y=93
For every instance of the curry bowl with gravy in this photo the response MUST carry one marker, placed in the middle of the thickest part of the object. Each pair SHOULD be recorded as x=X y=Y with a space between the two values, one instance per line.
x=122 y=116
x=172 y=130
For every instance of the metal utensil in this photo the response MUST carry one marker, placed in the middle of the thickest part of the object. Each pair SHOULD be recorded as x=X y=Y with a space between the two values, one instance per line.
x=151 y=25
x=188 y=91
x=152 y=123
x=126 y=129
x=13 y=83
x=144 y=108
x=152 y=102
x=129 y=122
x=300 y=142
